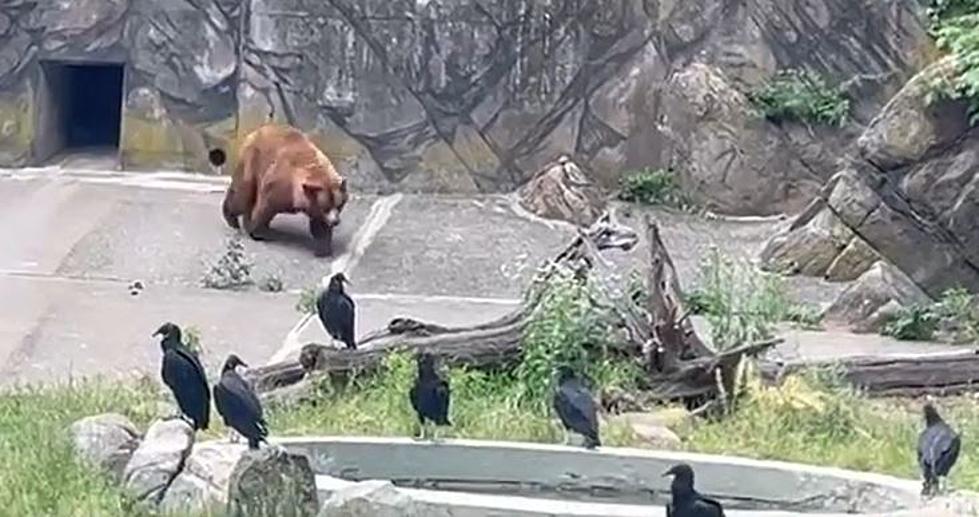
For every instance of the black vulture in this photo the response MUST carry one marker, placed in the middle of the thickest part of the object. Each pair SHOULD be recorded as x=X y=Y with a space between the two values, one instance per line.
x=430 y=394
x=938 y=448
x=575 y=407
x=685 y=501
x=336 y=311
x=183 y=374
x=237 y=403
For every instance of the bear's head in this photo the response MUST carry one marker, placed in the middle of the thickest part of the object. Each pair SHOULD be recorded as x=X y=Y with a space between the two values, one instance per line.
x=327 y=199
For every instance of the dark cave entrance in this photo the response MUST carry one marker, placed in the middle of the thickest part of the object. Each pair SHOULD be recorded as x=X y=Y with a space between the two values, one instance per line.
x=79 y=109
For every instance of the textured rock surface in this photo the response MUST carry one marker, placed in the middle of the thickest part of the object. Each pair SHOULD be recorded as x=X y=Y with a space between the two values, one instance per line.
x=911 y=195
x=562 y=191
x=372 y=499
x=203 y=483
x=158 y=459
x=878 y=294
x=106 y=441
x=272 y=482
x=464 y=96
x=653 y=427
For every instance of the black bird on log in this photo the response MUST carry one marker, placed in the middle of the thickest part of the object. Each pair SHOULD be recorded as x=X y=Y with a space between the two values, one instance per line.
x=183 y=374
x=576 y=407
x=237 y=403
x=938 y=449
x=430 y=394
x=336 y=311
x=685 y=500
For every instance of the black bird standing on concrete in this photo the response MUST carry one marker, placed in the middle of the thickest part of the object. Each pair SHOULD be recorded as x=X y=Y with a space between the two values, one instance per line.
x=685 y=501
x=575 y=407
x=237 y=403
x=938 y=448
x=430 y=394
x=336 y=311
x=183 y=374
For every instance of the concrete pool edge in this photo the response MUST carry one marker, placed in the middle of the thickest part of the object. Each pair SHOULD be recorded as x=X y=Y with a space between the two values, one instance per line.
x=902 y=493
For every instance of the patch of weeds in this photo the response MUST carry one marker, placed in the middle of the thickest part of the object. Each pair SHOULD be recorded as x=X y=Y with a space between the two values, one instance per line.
x=271 y=284
x=803 y=315
x=742 y=303
x=654 y=187
x=955 y=313
x=192 y=340
x=959 y=312
x=233 y=270
x=306 y=304
x=955 y=27
x=697 y=301
x=801 y=96
x=566 y=328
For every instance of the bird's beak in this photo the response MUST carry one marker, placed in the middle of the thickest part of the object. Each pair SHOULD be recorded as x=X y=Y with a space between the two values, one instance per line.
x=242 y=363
x=157 y=333
x=667 y=474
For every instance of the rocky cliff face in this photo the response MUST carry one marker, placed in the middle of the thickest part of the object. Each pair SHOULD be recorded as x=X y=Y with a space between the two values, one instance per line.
x=467 y=96
x=910 y=195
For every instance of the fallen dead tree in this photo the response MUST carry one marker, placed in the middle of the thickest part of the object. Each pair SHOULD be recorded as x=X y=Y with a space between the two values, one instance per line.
x=656 y=333
x=942 y=373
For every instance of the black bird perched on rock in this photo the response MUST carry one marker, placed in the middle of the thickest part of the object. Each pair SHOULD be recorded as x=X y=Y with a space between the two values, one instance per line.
x=575 y=407
x=183 y=374
x=938 y=448
x=336 y=311
x=685 y=501
x=238 y=405
x=430 y=394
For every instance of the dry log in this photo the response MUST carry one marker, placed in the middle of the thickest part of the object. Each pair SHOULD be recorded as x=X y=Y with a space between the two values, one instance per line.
x=943 y=373
x=491 y=344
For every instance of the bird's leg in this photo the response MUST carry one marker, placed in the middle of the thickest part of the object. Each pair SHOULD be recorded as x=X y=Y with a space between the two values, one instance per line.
x=420 y=435
x=232 y=436
x=567 y=437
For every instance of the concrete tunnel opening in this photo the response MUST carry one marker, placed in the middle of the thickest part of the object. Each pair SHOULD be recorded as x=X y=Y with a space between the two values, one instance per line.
x=79 y=109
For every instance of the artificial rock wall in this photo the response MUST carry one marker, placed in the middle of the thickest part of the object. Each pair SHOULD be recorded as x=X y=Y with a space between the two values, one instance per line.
x=474 y=95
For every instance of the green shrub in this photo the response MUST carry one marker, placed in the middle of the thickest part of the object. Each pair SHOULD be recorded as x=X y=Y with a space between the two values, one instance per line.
x=656 y=187
x=793 y=95
x=955 y=313
x=913 y=323
x=306 y=304
x=955 y=27
x=742 y=303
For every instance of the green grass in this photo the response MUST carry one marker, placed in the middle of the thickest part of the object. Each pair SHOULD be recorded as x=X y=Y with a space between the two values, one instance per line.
x=654 y=187
x=793 y=95
x=955 y=27
x=40 y=475
x=811 y=421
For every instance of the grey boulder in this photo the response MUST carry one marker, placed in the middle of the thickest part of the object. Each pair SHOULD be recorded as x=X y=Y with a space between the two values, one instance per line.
x=158 y=459
x=106 y=441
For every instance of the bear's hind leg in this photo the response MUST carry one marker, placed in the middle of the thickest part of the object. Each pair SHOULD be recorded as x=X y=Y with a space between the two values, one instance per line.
x=257 y=224
x=228 y=209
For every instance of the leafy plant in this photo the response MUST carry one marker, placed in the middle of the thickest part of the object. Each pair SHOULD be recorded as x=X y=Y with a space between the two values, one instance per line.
x=913 y=323
x=801 y=96
x=233 y=270
x=192 y=339
x=955 y=313
x=742 y=303
x=306 y=304
x=563 y=328
x=657 y=187
x=955 y=27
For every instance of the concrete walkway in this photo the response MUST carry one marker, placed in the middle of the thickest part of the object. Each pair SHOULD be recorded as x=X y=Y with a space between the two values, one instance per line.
x=74 y=240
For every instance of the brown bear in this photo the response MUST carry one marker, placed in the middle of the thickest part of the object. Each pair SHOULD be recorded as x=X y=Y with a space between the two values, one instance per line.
x=280 y=170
